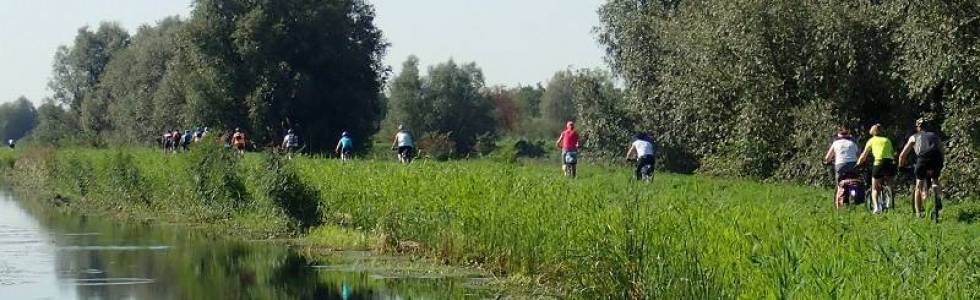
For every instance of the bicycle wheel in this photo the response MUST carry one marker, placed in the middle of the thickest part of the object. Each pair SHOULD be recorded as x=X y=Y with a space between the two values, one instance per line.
x=888 y=202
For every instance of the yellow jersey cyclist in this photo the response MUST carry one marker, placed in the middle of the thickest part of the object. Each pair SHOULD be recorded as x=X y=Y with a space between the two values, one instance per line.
x=883 y=168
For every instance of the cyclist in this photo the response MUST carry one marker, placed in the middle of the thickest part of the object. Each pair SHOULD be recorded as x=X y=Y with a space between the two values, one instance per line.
x=883 y=168
x=166 y=140
x=174 y=139
x=568 y=143
x=10 y=143
x=843 y=153
x=238 y=141
x=643 y=149
x=928 y=164
x=186 y=139
x=198 y=134
x=345 y=146
x=290 y=143
x=404 y=143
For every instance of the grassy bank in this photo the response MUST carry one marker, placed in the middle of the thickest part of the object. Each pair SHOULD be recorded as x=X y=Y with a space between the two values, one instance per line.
x=595 y=237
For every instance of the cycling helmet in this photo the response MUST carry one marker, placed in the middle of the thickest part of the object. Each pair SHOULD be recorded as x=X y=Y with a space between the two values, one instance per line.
x=289 y=131
x=345 y=134
x=921 y=122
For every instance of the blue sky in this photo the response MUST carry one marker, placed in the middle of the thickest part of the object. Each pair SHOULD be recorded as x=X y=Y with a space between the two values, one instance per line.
x=513 y=41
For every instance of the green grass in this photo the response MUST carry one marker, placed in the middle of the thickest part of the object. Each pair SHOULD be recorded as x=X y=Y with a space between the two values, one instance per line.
x=598 y=236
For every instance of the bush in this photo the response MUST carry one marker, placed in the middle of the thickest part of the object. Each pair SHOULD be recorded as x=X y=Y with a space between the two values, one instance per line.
x=125 y=181
x=437 y=146
x=279 y=184
x=216 y=184
x=486 y=143
x=530 y=149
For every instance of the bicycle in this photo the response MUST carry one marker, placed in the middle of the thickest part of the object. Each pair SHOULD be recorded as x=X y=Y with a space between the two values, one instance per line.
x=646 y=172
x=404 y=155
x=885 y=198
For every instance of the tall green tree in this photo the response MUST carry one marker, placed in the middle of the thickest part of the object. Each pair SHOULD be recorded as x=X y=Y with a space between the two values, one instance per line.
x=265 y=66
x=449 y=100
x=755 y=88
x=17 y=118
x=78 y=68
x=557 y=104
x=133 y=80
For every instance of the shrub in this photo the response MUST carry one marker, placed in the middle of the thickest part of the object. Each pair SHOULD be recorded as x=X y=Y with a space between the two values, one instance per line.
x=215 y=182
x=437 y=146
x=124 y=180
x=531 y=149
x=279 y=184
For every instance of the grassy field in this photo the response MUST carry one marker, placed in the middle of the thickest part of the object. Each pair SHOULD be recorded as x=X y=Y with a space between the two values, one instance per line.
x=598 y=236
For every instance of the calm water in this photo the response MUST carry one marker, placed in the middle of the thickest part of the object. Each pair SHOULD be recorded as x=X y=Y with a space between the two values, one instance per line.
x=47 y=255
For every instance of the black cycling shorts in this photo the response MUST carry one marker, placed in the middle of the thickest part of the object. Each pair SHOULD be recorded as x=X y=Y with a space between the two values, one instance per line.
x=885 y=169
x=924 y=166
x=405 y=150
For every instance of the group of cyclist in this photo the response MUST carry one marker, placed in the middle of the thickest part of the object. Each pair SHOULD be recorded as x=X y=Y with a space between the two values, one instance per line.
x=879 y=150
x=175 y=140
x=642 y=150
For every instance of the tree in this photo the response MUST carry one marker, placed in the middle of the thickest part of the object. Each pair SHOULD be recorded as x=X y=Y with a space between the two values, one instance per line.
x=55 y=125
x=315 y=66
x=557 y=105
x=755 y=88
x=133 y=79
x=77 y=69
x=601 y=112
x=17 y=119
x=448 y=101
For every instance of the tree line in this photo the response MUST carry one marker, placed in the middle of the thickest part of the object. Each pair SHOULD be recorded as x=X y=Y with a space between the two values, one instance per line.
x=312 y=66
x=263 y=66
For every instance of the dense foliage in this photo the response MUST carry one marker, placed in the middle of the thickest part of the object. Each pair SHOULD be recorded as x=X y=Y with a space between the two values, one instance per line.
x=264 y=66
x=449 y=101
x=17 y=119
x=756 y=88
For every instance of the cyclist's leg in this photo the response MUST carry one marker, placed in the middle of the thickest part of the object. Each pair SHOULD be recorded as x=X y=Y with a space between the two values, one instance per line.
x=875 y=188
x=638 y=172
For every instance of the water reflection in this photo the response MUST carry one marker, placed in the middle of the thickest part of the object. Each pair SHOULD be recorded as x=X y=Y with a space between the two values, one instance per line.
x=51 y=255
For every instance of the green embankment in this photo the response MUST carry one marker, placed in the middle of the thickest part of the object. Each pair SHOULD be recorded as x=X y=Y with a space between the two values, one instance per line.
x=599 y=236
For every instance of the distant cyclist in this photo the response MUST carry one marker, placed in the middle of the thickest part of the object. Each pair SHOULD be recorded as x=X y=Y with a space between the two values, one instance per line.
x=345 y=146
x=238 y=141
x=175 y=139
x=166 y=140
x=843 y=153
x=883 y=168
x=290 y=143
x=198 y=134
x=10 y=143
x=186 y=139
x=568 y=142
x=643 y=149
x=404 y=143
x=928 y=165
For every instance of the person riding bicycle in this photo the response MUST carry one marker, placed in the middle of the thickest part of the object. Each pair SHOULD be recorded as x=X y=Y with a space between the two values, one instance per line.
x=10 y=143
x=290 y=143
x=186 y=139
x=404 y=143
x=345 y=146
x=175 y=139
x=883 y=168
x=843 y=153
x=643 y=149
x=568 y=142
x=238 y=141
x=198 y=134
x=928 y=165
